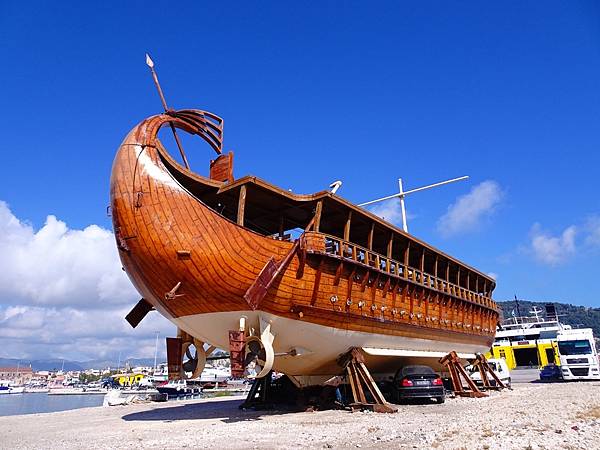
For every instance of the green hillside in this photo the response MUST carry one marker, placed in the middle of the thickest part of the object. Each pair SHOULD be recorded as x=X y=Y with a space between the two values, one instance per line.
x=576 y=316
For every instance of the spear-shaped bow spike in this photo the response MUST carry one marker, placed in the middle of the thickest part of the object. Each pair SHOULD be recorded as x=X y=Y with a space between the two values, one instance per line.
x=150 y=64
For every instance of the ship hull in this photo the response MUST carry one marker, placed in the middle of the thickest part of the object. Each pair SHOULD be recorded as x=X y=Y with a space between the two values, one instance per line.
x=320 y=345
x=196 y=268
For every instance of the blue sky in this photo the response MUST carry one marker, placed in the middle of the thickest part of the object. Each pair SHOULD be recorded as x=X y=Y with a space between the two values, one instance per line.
x=507 y=93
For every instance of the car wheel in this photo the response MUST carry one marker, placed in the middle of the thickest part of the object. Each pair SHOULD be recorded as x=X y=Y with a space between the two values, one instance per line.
x=441 y=399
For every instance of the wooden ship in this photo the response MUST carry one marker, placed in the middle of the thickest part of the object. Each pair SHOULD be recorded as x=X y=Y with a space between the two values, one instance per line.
x=290 y=281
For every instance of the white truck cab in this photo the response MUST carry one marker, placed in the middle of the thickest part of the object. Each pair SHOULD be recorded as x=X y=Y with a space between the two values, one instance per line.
x=499 y=367
x=578 y=355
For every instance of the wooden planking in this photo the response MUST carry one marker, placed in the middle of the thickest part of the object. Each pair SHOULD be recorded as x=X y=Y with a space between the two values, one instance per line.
x=221 y=168
x=241 y=206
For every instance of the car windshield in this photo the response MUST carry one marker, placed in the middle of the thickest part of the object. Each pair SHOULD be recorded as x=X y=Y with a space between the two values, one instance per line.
x=579 y=347
x=417 y=370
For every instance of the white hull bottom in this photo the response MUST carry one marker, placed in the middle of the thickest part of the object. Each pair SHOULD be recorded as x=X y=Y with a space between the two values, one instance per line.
x=318 y=346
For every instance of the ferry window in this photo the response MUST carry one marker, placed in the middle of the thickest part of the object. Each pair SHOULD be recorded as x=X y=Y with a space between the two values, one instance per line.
x=502 y=354
x=579 y=347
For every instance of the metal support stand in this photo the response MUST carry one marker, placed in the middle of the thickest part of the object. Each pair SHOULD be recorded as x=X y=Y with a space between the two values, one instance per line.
x=359 y=376
x=452 y=362
x=258 y=397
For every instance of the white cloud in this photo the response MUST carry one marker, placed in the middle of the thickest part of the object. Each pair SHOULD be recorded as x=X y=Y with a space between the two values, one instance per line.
x=470 y=209
x=552 y=250
x=389 y=210
x=59 y=266
x=592 y=227
x=493 y=275
x=63 y=294
x=35 y=332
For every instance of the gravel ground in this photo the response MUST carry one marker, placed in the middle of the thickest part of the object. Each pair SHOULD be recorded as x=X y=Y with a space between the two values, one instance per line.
x=532 y=416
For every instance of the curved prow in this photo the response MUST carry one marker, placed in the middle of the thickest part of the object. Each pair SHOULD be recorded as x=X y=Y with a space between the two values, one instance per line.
x=207 y=125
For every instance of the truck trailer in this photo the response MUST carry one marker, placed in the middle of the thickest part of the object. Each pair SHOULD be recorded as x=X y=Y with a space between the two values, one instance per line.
x=578 y=355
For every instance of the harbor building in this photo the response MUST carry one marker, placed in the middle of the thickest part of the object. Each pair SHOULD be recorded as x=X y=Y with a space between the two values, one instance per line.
x=15 y=375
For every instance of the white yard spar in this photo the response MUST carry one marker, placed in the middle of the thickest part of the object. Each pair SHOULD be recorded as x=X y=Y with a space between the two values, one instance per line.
x=404 y=193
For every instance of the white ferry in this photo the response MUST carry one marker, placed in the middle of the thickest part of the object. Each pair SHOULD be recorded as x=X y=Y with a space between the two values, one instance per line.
x=537 y=341
x=528 y=341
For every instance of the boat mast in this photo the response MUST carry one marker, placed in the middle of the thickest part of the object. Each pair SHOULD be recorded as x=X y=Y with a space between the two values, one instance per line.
x=150 y=64
x=155 y=352
x=517 y=305
x=402 y=194
x=536 y=312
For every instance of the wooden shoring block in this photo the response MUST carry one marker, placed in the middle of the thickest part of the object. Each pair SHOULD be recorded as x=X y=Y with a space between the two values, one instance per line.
x=457 y=373
x=360 y=378
x=484 y=369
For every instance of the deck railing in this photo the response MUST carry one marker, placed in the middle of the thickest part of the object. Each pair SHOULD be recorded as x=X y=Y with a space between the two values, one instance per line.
x=346 y=250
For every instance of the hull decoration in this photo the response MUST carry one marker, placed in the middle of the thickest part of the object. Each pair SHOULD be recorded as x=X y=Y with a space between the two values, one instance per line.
x=288 y=281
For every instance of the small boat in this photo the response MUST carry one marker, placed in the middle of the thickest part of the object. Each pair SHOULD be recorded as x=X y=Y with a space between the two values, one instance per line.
x=36 y=390
x=178 y=388
x=11 y=389
x=116 y=397
x=77 y=391
x=213 y=375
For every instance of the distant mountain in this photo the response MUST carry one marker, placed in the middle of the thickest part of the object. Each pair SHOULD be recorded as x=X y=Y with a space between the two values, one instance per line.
x=57 y=364
x=576 y=316
x=103 y=363
x=41 y=364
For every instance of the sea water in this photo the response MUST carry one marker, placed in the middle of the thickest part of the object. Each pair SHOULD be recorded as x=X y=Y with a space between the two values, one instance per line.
x=33 y=403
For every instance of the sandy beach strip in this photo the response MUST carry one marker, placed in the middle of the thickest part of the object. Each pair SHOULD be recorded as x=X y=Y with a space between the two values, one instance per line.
x=532 y=416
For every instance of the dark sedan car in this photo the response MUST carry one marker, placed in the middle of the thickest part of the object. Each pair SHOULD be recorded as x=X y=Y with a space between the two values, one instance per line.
x=551 y=372
x=413 y=382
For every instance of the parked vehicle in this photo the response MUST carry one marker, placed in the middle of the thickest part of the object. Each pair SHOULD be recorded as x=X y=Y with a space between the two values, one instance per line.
x=499 y=367
x=412 y=382
x=578 y=354
x=551 y=372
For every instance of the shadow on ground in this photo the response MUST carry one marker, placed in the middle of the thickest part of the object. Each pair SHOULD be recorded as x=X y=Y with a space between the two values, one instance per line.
x=226 y=410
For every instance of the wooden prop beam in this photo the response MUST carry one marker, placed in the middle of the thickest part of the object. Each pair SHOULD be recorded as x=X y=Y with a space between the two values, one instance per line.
x=484 y=368
x=457 y=373
x=360 y=379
